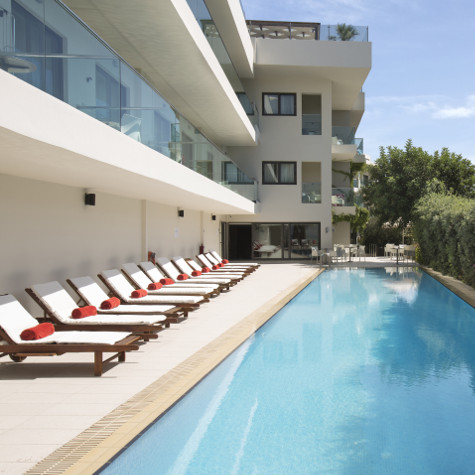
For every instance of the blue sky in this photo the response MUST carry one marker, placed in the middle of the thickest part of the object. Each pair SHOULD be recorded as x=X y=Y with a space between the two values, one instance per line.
x=422 y=82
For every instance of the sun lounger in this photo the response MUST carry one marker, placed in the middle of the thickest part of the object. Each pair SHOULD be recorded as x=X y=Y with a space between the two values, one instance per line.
x=215 y=269
x=172 y=271
x=115 y=281
x=245 y=264
x=59 y=307
x=156 y=275
x=92 y=294
x=140 y=280
x=14 y=320
x=184 y=267
x=228 y=267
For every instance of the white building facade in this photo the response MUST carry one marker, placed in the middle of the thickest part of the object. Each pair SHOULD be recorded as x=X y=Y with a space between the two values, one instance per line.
x=185 y=125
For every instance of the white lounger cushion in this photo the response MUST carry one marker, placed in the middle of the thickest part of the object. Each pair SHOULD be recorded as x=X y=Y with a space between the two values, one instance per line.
x=14 y=319
x=123 y=288
x=92 y=294
x=59 y=302
x=219 y=258
x=187 y=269
x=173 y=272
x=155 y=275
x=143 y=281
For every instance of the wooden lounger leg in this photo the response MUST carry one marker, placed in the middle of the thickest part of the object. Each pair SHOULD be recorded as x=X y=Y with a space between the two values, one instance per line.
x=121 y=355
x=98 y=363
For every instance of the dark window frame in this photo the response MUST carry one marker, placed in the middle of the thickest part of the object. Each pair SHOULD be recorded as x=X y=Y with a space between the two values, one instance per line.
x=279 y=94
x=278 y=173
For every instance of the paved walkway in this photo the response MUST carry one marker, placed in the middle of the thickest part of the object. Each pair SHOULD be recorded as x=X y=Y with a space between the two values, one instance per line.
x=55 y=417
x=47 y=401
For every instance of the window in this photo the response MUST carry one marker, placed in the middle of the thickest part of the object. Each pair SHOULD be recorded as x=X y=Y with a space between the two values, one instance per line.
x=234 y=176
x=311 y=114
x=279 y=173
x=278 y=104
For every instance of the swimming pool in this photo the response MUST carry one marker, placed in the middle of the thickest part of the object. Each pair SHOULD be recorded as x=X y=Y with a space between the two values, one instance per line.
x=365 y=371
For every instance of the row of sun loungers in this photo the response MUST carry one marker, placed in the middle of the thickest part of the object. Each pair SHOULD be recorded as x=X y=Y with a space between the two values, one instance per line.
x=143 y=300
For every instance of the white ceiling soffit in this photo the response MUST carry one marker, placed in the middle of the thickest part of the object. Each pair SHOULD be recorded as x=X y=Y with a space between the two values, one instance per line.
x=46 y=139
x=163 y=41
x=231 y=24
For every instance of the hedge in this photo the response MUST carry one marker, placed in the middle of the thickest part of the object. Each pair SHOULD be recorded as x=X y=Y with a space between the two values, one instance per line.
x=444 y=228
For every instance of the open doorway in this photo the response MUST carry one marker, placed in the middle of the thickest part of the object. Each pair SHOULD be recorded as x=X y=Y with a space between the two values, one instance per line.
x=239 y=242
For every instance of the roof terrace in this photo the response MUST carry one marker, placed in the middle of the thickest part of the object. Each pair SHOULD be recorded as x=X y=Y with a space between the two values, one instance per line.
x=287 y=30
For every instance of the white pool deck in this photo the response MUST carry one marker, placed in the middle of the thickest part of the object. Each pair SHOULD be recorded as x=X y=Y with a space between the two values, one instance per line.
x=56 y=417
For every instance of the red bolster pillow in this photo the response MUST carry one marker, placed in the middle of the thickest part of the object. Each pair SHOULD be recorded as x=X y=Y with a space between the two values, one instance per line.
x=82 y=312
x=37 y=332
x=215 y=267
x=139 y=293
x=155 y=286
x=205 y=270
x=167 y=281
x=110 y=303
x=196 y=273
x=182 y=277
x=224 y=261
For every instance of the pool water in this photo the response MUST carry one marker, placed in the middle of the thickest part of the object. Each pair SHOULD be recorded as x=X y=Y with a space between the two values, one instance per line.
x=366 y=371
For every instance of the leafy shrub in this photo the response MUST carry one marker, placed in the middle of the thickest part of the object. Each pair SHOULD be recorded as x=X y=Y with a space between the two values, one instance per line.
x=444 y=227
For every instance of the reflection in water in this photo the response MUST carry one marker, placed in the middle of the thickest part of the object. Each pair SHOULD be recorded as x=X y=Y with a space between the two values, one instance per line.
x=364 y=372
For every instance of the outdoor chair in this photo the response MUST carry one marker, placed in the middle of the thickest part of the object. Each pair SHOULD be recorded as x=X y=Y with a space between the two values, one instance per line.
x=247 y=264
x=15 y=320
x=156 y=275
x=224 y=267
x=115 y=281
x=213 y=266
x=60 y=307
x=92 y=294
x=141 y=281
x=172 y=272
x=206 y=272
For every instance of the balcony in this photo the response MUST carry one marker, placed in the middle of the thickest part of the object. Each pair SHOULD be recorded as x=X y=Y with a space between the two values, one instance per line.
x=312 y=192
x=286 y=30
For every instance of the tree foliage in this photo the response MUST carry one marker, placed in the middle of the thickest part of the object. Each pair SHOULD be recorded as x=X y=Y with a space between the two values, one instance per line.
x=399 y=178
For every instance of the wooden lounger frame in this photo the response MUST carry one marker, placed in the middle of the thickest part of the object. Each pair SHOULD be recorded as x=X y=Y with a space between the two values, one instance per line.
x=19 y=352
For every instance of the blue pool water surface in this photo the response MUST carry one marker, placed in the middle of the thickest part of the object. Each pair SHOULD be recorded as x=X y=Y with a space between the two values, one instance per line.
x=366 y=371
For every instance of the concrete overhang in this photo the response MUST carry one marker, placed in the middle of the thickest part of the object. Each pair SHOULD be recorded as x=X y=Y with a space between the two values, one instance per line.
x=346 y=64
x=231 y=24
x=343 y=152
x=45 y=139
x=162 y=40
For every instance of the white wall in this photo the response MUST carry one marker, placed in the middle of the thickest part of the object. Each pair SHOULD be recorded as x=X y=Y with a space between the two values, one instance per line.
x=47 y=233
x=282 y=140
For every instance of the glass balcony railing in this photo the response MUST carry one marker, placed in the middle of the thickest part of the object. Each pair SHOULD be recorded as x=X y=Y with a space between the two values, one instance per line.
x=343 y=135
x=359 y=146
x=311 y=124
x=52 y=50
x=312 y=192
x=343 y=32
x=306 y=31
x=343 y=197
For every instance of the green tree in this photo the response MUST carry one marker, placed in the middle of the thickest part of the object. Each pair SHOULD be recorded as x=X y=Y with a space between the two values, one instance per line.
x=399 y=178
x=346 y=32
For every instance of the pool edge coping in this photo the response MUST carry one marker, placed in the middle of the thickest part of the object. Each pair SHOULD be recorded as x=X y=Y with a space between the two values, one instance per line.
x=89 y=451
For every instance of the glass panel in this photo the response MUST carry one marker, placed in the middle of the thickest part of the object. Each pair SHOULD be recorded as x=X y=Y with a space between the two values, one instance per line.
x=287 y=104
x=271 y=173
x=287 y=173
x=343 y=197
x=311 y=192
x=302 y=238
x=271 y=104
x=267 y=240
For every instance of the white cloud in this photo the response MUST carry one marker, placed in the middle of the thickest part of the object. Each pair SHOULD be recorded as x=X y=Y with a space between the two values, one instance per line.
x=460 y=112
x=437 y=107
